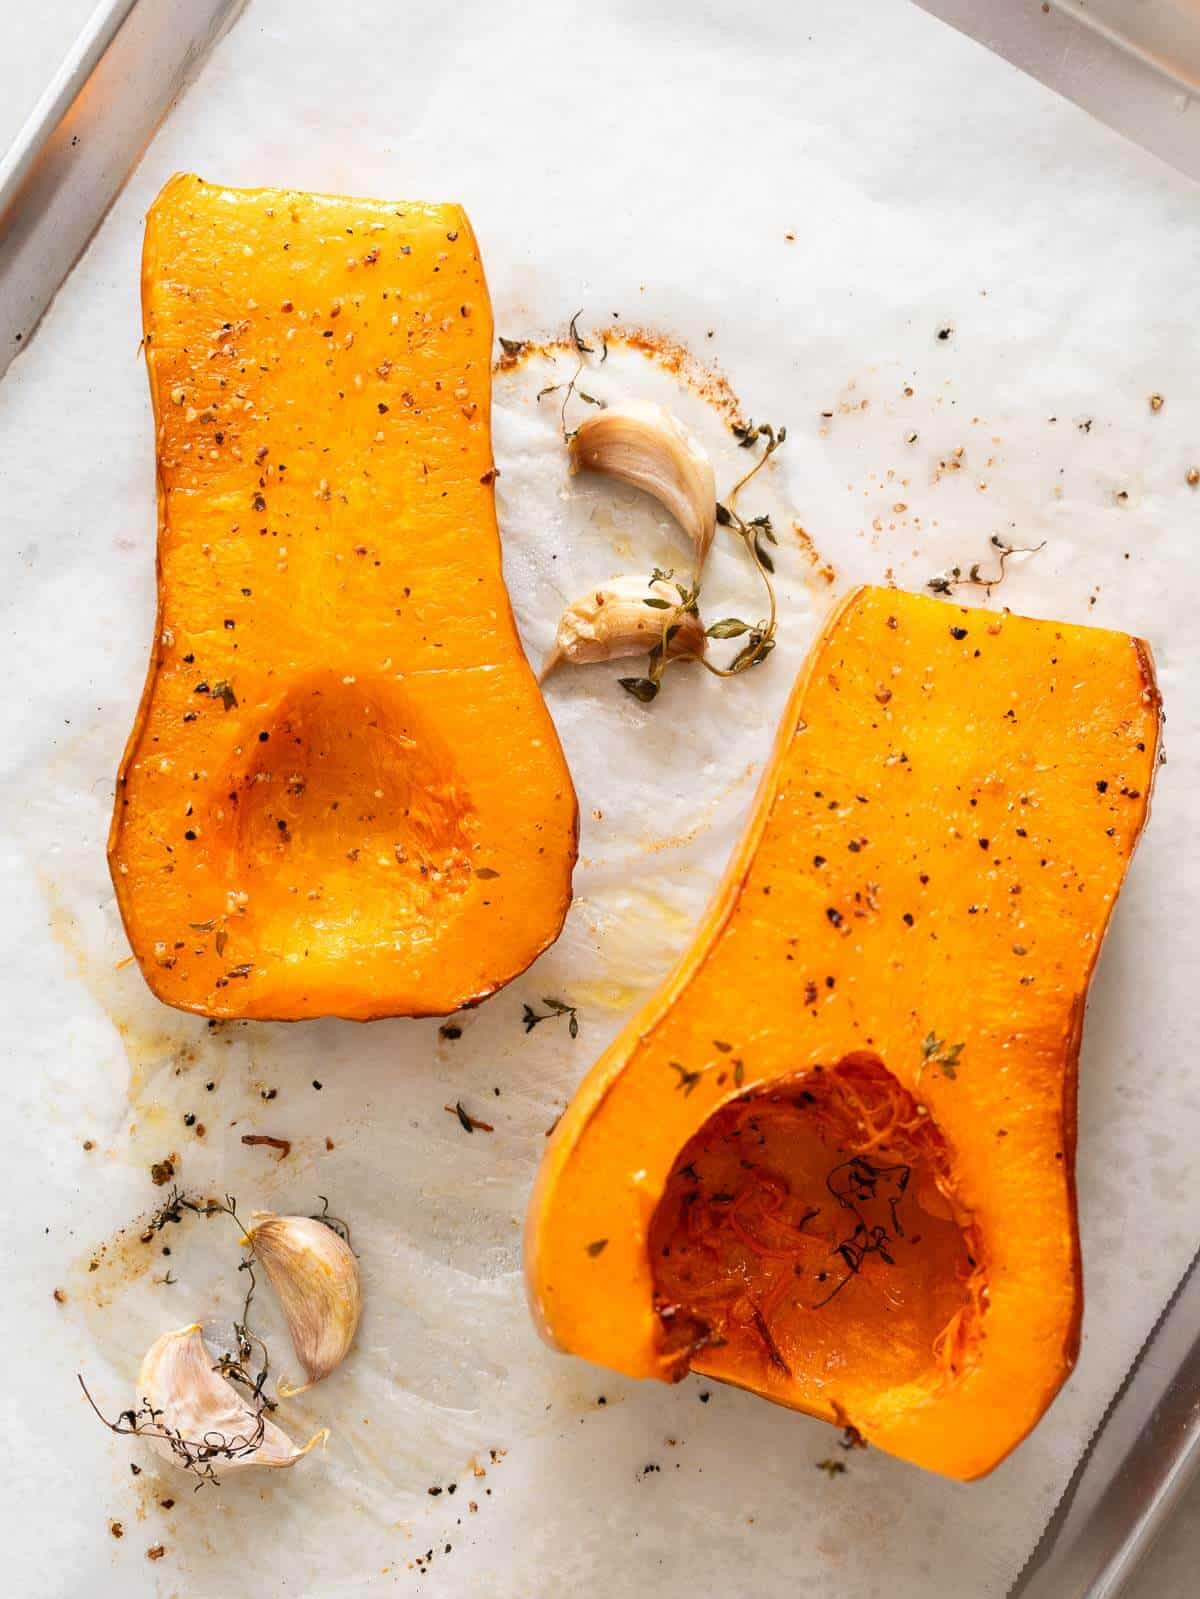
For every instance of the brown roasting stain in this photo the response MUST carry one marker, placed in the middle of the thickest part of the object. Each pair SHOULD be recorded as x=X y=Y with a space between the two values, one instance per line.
x=655 y=846
x=824 y=569
x=668 y=353
x=673 y=356
x=111 y=1268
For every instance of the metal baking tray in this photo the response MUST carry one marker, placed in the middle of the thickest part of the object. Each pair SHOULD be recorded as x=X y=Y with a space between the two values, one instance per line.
x=1133 y=64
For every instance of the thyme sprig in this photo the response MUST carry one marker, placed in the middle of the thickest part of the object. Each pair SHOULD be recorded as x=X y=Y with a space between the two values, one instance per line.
x=334 y=1223
x=756 y=533
x=530 y=1018
x=976 y=577
x=193 y=1454
x=858 y=1184
x=571 y=387
x=248 y=1365
x=237 y=1368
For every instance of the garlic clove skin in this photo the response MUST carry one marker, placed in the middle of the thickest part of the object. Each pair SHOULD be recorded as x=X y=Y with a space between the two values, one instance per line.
x=613 y=619
x=315 y=1274
x=202 y=1409
x=643 y=444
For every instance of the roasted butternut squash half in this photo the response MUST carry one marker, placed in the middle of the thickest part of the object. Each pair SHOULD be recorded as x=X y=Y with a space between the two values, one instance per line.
x=832 y=1160
x=343 y=794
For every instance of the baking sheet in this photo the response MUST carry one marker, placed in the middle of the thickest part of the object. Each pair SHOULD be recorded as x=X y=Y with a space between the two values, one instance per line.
x=807 y=198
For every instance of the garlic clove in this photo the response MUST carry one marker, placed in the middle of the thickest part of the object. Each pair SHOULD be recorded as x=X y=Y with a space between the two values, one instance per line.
x=199 y=1417
x=613 y=619
x=314 y=1272
x=643 y=444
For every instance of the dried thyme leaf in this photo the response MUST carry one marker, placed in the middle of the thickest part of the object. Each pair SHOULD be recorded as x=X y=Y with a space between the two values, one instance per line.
x=466 y=1121
x=687 y=1079
x=576 y=339
x=946 y=582
x=555 y=1007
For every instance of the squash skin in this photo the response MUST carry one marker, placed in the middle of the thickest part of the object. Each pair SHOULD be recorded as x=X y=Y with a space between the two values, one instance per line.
x=402 y=840
x=953 y=973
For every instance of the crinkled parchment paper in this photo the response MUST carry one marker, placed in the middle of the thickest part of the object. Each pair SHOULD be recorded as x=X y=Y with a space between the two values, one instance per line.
x=806 y=197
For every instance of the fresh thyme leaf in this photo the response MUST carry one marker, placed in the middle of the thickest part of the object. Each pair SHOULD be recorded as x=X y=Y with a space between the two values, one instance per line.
x=753 y=652
x=657 y=604
x=642 y=688
x=590 y=399
x=945 y=1056
x=763 y=558
x=513 y=346
x=224 y=692
x=724 y=519
x=729 y=627
x=597 y=1247
x=832 y=1468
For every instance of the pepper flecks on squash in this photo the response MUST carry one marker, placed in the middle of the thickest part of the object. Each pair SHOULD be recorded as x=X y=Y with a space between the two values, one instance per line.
x=343 y=793
x=833 y=1158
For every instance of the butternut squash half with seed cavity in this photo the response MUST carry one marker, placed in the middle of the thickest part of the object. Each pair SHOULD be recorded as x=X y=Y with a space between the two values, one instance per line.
x=343 y=794
x=832 y=1160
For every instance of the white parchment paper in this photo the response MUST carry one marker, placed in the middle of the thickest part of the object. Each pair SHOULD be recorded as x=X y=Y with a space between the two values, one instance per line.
x=807 y=196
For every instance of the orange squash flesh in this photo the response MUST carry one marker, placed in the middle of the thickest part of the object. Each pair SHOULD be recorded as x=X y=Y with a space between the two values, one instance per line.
x=790 y=1211
x=343 y=793
x=865 y=1066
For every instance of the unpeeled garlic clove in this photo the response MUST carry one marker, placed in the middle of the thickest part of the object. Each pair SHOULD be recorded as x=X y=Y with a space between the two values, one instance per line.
x=314 y=1272
x=613 y=619
x=643 y=444
x=204 y=1417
